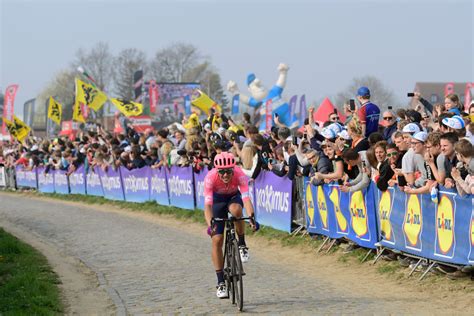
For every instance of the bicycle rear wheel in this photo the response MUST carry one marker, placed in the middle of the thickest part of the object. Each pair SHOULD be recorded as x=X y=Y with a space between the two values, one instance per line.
x=238 y=282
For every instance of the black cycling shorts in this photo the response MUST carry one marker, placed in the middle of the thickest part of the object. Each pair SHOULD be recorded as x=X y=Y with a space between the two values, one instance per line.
x=220 y=208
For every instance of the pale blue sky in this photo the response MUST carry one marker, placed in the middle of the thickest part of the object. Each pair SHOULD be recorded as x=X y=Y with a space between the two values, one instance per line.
x=326 y=43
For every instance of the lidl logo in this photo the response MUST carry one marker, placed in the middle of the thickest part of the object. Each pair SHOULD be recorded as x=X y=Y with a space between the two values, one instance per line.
x=445 y=224
x=413 y=220
x=472 y=231
x=323 y=207
x=385 y=208
x=340 y=218
x=358 y=214
x=310 y=204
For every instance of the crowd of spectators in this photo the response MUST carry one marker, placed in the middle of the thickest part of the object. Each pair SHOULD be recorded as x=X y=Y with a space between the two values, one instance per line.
x=416 y=149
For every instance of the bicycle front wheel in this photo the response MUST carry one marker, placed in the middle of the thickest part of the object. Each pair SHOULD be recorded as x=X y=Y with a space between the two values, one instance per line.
x=238 y=282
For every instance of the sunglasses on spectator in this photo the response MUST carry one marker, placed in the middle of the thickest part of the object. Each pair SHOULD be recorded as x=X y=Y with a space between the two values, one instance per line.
x=415 y=143
x=226 y=171
x=393 y=154
x=334 y=118
x=388 y=118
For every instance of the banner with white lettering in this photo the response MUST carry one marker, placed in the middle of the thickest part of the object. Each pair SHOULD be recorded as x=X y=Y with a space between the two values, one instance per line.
x=61 y=185
x=45 y=180
x=26 y=178
x=136 y=184
x=111 y=184
x=273 y=200
x=181 y=188
x=199 y=187
x=77 y=181
x=159 y=186
x=93 y=183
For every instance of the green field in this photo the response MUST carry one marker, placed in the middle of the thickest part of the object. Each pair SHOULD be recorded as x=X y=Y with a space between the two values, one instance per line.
x=28 y=286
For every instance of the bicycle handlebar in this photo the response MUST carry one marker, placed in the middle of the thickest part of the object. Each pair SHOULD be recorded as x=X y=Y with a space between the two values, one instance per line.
x=231 y=219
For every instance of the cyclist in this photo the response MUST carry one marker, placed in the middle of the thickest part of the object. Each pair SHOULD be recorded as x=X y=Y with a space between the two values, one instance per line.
x=226 y=190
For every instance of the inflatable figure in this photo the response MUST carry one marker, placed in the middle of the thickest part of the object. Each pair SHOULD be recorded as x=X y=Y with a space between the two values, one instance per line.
x=263 y=99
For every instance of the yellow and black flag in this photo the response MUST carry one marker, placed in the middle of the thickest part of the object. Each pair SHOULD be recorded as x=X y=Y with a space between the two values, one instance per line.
x=128 y=108
x=17 y=128
x=55 y=111
x=77 y=114
x=90 y=95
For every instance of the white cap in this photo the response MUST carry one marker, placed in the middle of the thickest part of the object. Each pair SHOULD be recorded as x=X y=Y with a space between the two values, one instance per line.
x=455 y=122
x=34 y=147
x=127 y=149
x=411 y=128
x=336 y=127
x=344 y=134
x=421 y=136
x=328 y=133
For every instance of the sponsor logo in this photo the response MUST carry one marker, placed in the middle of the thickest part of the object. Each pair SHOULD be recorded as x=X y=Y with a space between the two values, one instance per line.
x=45 y=178
x=472 y=232
x=158 y=185
x=358 y=212
x=385 y=209
x=200 y=190
x=322 y=207
x=445 y=224
x=340 y=218
x=26 y=175
x=271 y=200
x=413 y=220
x=135 y=184
x=310 y=204
x=111 y=183
x=76 y=179
x=180 y=187
x=93 y=179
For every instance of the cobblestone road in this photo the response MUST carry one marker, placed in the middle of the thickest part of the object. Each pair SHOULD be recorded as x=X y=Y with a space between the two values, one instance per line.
x=159 y=269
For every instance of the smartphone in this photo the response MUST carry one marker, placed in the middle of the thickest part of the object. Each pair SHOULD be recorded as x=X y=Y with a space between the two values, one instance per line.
x=390 y=107
x=276 y=115
x=410 y=94
x=295 y=140
x=352 y=105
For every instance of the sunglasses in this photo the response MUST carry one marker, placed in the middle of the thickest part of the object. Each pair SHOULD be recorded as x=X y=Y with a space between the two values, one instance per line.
x=334 y=118
x=226 y=171
x=392 y=154
x=388 y=118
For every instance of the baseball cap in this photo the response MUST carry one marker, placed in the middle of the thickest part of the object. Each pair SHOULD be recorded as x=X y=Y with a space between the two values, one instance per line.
x=363 y=91
x=328 y=133
x=411 y=128
x=421 y=136
x=250 y=78
x=344 y=134
x=336 y=127
x=455 y=122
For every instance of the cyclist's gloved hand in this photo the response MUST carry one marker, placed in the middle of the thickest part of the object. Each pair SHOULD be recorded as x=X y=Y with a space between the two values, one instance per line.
x=211 y=230
x=254 y=224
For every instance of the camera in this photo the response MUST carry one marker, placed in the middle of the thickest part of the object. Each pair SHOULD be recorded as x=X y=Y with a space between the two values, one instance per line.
x=390 y=107
x=271 y=160
x=410 y=94
x=352 y=105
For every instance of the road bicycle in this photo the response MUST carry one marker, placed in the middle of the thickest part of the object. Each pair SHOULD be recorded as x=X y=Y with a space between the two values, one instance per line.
x=233 y=270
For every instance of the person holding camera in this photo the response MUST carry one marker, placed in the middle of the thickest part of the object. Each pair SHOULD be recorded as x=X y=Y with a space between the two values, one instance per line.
x=465 y=154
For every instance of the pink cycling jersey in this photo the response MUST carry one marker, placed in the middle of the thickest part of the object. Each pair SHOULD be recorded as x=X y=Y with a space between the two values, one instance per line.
x=213 y=184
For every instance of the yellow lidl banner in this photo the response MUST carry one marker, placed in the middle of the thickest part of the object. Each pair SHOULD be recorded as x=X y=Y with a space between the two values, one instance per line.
x=204 y=102
x=128 y=108
x=77 y=114
x=55 y=111
x=17 y=128
x=90 y=95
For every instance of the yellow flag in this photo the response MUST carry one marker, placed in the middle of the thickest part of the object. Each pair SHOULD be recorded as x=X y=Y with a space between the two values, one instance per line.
x=204 y=102
x=55 y=111
x=128 y=108
x=17 y=128
x=77 y=114
x=90 y=95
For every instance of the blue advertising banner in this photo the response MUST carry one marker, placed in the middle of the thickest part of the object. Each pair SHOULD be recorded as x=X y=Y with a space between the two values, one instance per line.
x=187 y=105
x=77 y=181
x=339 y=214
x=61 y=185
x=159 y=186
x=181 y=188
x=27 y=179
x=414 y=224
x=199 y=187
x=235 y=104
x=45 y=180
x=273 y=197
x=93 y=183
x=136 y=184
x=112 y=184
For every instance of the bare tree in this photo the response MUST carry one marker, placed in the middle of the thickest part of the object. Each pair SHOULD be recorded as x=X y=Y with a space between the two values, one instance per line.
x=62 y=88
x=126 y=63
x=380 y=94
x=170 y=64
x=98 y=62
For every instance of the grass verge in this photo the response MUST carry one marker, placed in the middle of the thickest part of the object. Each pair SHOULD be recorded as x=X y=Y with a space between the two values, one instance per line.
x=28 y=286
